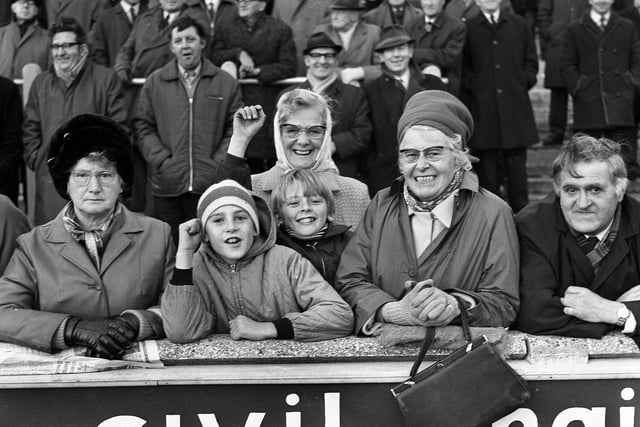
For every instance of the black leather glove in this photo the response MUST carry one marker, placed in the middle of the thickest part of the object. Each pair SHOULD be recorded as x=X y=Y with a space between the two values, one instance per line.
x=130 y=324
x=104 y=338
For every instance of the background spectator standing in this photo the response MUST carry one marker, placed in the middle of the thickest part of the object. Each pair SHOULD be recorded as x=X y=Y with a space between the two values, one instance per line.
x=220 y=11
x=74 y=85
x=439 y=41
x=392 y=12
x=302 y=16
x=357 y=39
x=499 y=67
x=112 y=29
x=84 y=12
x=351 y=131
x=10 y=139
x=262 y=47
x=467 y=9
x=601 y=69
x=23 y=41
x=387 y=95
x=183 y=123
x=554 y=17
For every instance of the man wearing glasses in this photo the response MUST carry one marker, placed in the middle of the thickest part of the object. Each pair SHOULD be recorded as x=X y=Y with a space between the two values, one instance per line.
x=23 y=41
x=74 y=85
x=351 y=132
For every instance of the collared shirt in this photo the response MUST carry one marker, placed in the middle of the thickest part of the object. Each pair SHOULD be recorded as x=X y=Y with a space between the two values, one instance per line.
x=426 y=226
x=597 y=18
x=170 y=16
x=496 y=16
x=129 y=7
x=429 y=22
x=404 y=78
x=189 y=76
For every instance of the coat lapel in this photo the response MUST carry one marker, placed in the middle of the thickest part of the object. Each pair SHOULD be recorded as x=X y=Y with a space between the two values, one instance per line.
x=71 y=250
x=120 y=240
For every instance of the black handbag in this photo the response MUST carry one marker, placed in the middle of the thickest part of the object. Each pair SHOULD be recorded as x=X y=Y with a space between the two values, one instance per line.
x=471 y=387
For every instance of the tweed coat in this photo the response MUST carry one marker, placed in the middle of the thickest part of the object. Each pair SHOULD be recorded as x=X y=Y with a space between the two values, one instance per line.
x=51 y=103
x=51 y=276
x=361 y=48
x=18 y=51
x=551 y=261
x=442 y=46
x=351 y=130
x=554 y=17
x=601 y=71
x=109 y=34
x=499 y=67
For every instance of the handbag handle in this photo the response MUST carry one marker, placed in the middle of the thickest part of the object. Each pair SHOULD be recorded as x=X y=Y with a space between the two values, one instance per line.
x=430 y=334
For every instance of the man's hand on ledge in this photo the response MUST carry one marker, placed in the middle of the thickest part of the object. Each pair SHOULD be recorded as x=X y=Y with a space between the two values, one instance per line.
x=588 y=306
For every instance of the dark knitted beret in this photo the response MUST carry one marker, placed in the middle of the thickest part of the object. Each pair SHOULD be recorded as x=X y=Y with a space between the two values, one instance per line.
x=84 y=134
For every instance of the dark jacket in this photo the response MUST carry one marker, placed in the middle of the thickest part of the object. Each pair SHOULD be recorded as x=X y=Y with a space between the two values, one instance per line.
x=554 y=17
x=51 y=103
x=551 y=261
x=85 y=12
x=442 y=46
x=324 y=253
x=351 y=131
x=383 y=18
x=10 y=138
x=499 y=67
x=270 y=45
x=13 y=223
x=16 y=51
x=184 y=141
x=601 y=71
x=147 y=47
x=387 y=98
x=109 y=34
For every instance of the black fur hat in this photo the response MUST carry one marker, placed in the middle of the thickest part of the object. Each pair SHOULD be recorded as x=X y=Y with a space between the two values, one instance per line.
x=84 y=134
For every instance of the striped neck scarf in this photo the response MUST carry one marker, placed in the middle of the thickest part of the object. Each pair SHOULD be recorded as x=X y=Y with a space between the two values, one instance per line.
x=419 y=206
x=94 y=239
x=603 y=247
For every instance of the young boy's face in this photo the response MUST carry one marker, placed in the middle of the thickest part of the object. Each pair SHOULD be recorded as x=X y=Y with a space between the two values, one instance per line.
x=231 y=232
x=305 y=215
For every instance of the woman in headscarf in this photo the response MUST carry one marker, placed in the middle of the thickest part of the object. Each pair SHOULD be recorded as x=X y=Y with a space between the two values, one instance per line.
x=92 y=276
x=433 y=243
x=302 y=137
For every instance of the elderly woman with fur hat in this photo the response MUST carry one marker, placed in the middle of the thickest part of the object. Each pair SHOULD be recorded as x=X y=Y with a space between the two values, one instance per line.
x=91 y=276
x=433 y=243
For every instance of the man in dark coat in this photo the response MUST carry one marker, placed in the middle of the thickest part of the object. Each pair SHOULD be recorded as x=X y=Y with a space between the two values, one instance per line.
x=580 y=247
x=112 y=29
x=601 y=68
x=387 y=96
x=351 y=131
x=554 y=17
x=499 y=67
x=392 y=12
x=10 y=138
x=439 y=41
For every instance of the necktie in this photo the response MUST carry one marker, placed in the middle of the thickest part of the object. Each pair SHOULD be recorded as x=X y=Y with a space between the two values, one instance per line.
x=603 y=22
x=588 y=244
x=132 y=14
x=189 y=77
x=428 y=26
x=212 y=15
x=493 y=20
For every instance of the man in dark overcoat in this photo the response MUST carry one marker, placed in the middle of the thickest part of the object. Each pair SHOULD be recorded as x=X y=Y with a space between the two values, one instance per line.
x=601 y=68
x=554 y=16
x=388 y=94
x=580 y=247
x=499 y=67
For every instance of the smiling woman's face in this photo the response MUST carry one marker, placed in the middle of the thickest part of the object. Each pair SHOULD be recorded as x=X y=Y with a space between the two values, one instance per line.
x=426 y=179
x=302 y=151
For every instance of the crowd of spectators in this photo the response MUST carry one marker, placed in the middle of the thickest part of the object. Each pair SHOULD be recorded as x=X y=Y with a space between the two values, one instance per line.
x=411 y=123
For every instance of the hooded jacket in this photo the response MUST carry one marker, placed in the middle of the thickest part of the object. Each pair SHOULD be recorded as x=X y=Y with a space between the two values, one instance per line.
x=271 y=283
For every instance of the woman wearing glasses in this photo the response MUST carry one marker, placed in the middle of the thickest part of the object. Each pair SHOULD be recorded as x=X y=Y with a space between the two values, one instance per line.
x=302 y=138
x=433 y=234
x=91 y=276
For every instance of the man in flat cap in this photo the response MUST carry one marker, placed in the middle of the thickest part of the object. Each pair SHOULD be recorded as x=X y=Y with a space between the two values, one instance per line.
x=387 y=95
x=580 y=247
x=357 y=38
x=434 y=243
x=351 y=132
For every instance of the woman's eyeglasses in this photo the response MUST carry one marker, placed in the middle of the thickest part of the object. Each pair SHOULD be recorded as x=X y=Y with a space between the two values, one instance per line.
x=293 y=131
x=432 y=154
x=82 y=178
